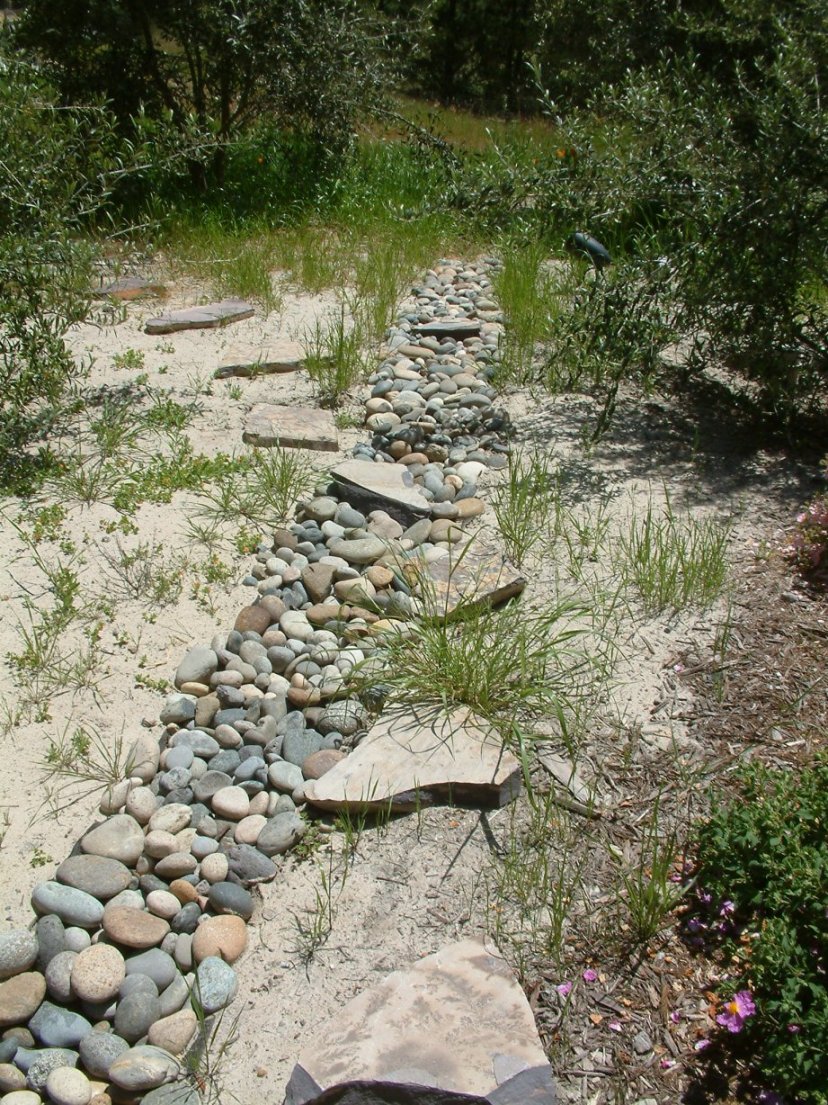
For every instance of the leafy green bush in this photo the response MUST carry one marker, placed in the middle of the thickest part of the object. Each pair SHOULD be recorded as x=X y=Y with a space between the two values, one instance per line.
x=763 y=864
x=55 y=170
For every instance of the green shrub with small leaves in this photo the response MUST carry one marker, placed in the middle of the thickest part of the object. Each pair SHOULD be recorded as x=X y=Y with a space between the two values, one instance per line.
x=765 y=854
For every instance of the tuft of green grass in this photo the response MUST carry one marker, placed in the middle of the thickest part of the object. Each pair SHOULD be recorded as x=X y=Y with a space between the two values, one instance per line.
x=522 y=504
x=334 y=357
x=673 y=562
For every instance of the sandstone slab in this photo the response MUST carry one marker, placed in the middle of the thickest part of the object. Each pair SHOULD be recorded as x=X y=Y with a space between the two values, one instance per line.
x=457 y=1020
x=457 y=328
x=388 y=487
x=268 y=424
x=252 y=360
x=208 y=317
x=129 y=287
x=477 y=576
x=409 y=760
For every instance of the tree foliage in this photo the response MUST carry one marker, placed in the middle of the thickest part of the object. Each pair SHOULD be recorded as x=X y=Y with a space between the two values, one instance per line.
x=209 y=69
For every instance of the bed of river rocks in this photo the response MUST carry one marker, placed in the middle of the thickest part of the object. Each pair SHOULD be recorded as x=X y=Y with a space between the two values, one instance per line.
x=141 y=924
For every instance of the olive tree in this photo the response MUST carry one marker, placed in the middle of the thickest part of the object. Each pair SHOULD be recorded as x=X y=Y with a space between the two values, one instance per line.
x=210 y=69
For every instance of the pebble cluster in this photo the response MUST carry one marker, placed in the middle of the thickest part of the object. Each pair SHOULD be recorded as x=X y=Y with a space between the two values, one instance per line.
x=150 y=910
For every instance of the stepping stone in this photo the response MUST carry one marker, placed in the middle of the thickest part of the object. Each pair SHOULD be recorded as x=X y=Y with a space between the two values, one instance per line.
x=475 y=576
x=456 y=328
x=388 y=487
x=129 y=287
x=291 y=427
x=457 y=1021
x=416 y=759
x=251 y=360
x=208 y=317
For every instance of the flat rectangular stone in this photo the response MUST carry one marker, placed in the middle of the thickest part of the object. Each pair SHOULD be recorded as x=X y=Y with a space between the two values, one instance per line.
x=208 y=317
x=129 y=287
x=472 y=577
x=449 y=328
x=421 y=758
x=457 y=1021
x=251 y=360
x=268 y=425
x=388 y=487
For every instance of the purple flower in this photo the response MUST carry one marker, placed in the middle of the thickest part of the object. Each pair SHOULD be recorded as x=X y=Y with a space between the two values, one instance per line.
x=770 y=1097
x=736 y=1011
x=675 y=1016
x=564 y=988
x=727 y=908
x=794 y=1029
x=614 y=1026
x=700 y=1045
x=695 y=925
x=589 y=975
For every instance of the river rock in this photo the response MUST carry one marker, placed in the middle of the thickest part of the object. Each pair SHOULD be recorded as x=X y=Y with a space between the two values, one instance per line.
x=229 y=897
x=51 y=939
x=216 y=984
x=18 y=951
x=119 y=837
x=74 y=907
x=197 y=666
x=174 y=1033
x=143 y=1068
x=20 y=996
x=154 y=963
x=99 y=1050
x=134 y=928
x=97 y=973
x=44 y=1061
x=67 y=1086
x=102 y=878
x=281 y=833
x=134 y=1014
x=225 y=937
x=56 y=1027
x=59 y=976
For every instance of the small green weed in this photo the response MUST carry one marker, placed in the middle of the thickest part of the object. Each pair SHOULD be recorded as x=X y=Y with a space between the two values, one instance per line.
x=674 y=562
x=650 y=894
x=132 y=359
x=334 y=358
x=521 y=504
x=147 y=572
x=80 y=763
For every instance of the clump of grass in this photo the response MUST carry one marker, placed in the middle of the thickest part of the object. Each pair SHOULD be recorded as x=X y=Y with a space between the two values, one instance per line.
x=80 y=763
x=261 y=489
x=649 y=892
x=674 y=562
x=334 y=357
x=521 y=504
x=147 y=572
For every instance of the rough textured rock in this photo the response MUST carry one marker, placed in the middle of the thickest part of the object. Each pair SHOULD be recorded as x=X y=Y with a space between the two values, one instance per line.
x=390 y=487
x=248 y=360
x=406 y=761
x=208 y=317
x=481 y=578
x=18 y=951
x=96 y=875
x=457 y=1020
x=291 y=427
x=20 y=996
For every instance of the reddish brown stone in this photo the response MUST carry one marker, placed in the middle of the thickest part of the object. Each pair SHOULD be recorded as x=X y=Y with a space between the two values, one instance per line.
x=318 y=763
x=253 y=618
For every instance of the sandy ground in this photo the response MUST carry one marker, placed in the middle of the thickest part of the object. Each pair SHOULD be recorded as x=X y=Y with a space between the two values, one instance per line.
x=421 y=881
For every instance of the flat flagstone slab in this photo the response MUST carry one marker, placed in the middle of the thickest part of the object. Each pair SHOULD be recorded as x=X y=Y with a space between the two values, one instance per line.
x=457 y=1020
x=415 y=759
x=208 y=317
x=269 y=425
x=389 y=487
x=474 y=576
x=253 y=360
x=449 y=328
x=129 y=287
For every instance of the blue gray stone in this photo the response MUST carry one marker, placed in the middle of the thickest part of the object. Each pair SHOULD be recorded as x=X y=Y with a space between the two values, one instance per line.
x=216 y=984
x=57 y=1027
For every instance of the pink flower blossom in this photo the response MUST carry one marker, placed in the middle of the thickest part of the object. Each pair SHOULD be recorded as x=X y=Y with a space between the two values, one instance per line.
x=589 y=975
x=614 y=1026
x=736 y=1011
x=564 y=988
x=675 y=1016
x=700 y=1045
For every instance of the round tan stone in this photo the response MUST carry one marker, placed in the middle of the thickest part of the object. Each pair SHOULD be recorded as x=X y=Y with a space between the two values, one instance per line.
x=142 y=803
x=258 y=803
x=176 y=865
x=319 y=763
x=11 y=1078
x=380 y=576
x=174 y=1033
x=232 y=803
x=119 y=837
x=469 y=508
x=197 y=690
x=163 y=904
x=256 y=618
x=97 y=973
x=171 y=818
x=22 y=1097
x=67 y=1086
x=20 y=996
x=224 y=936
x=133 y=928
x=158 y=843
x=248 y=829
x=185 y=891
x=214 y=868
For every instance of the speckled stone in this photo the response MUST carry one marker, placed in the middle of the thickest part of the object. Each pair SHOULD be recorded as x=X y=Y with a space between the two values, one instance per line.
x=98 y=972
x=225 y=937
x=20 y=997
